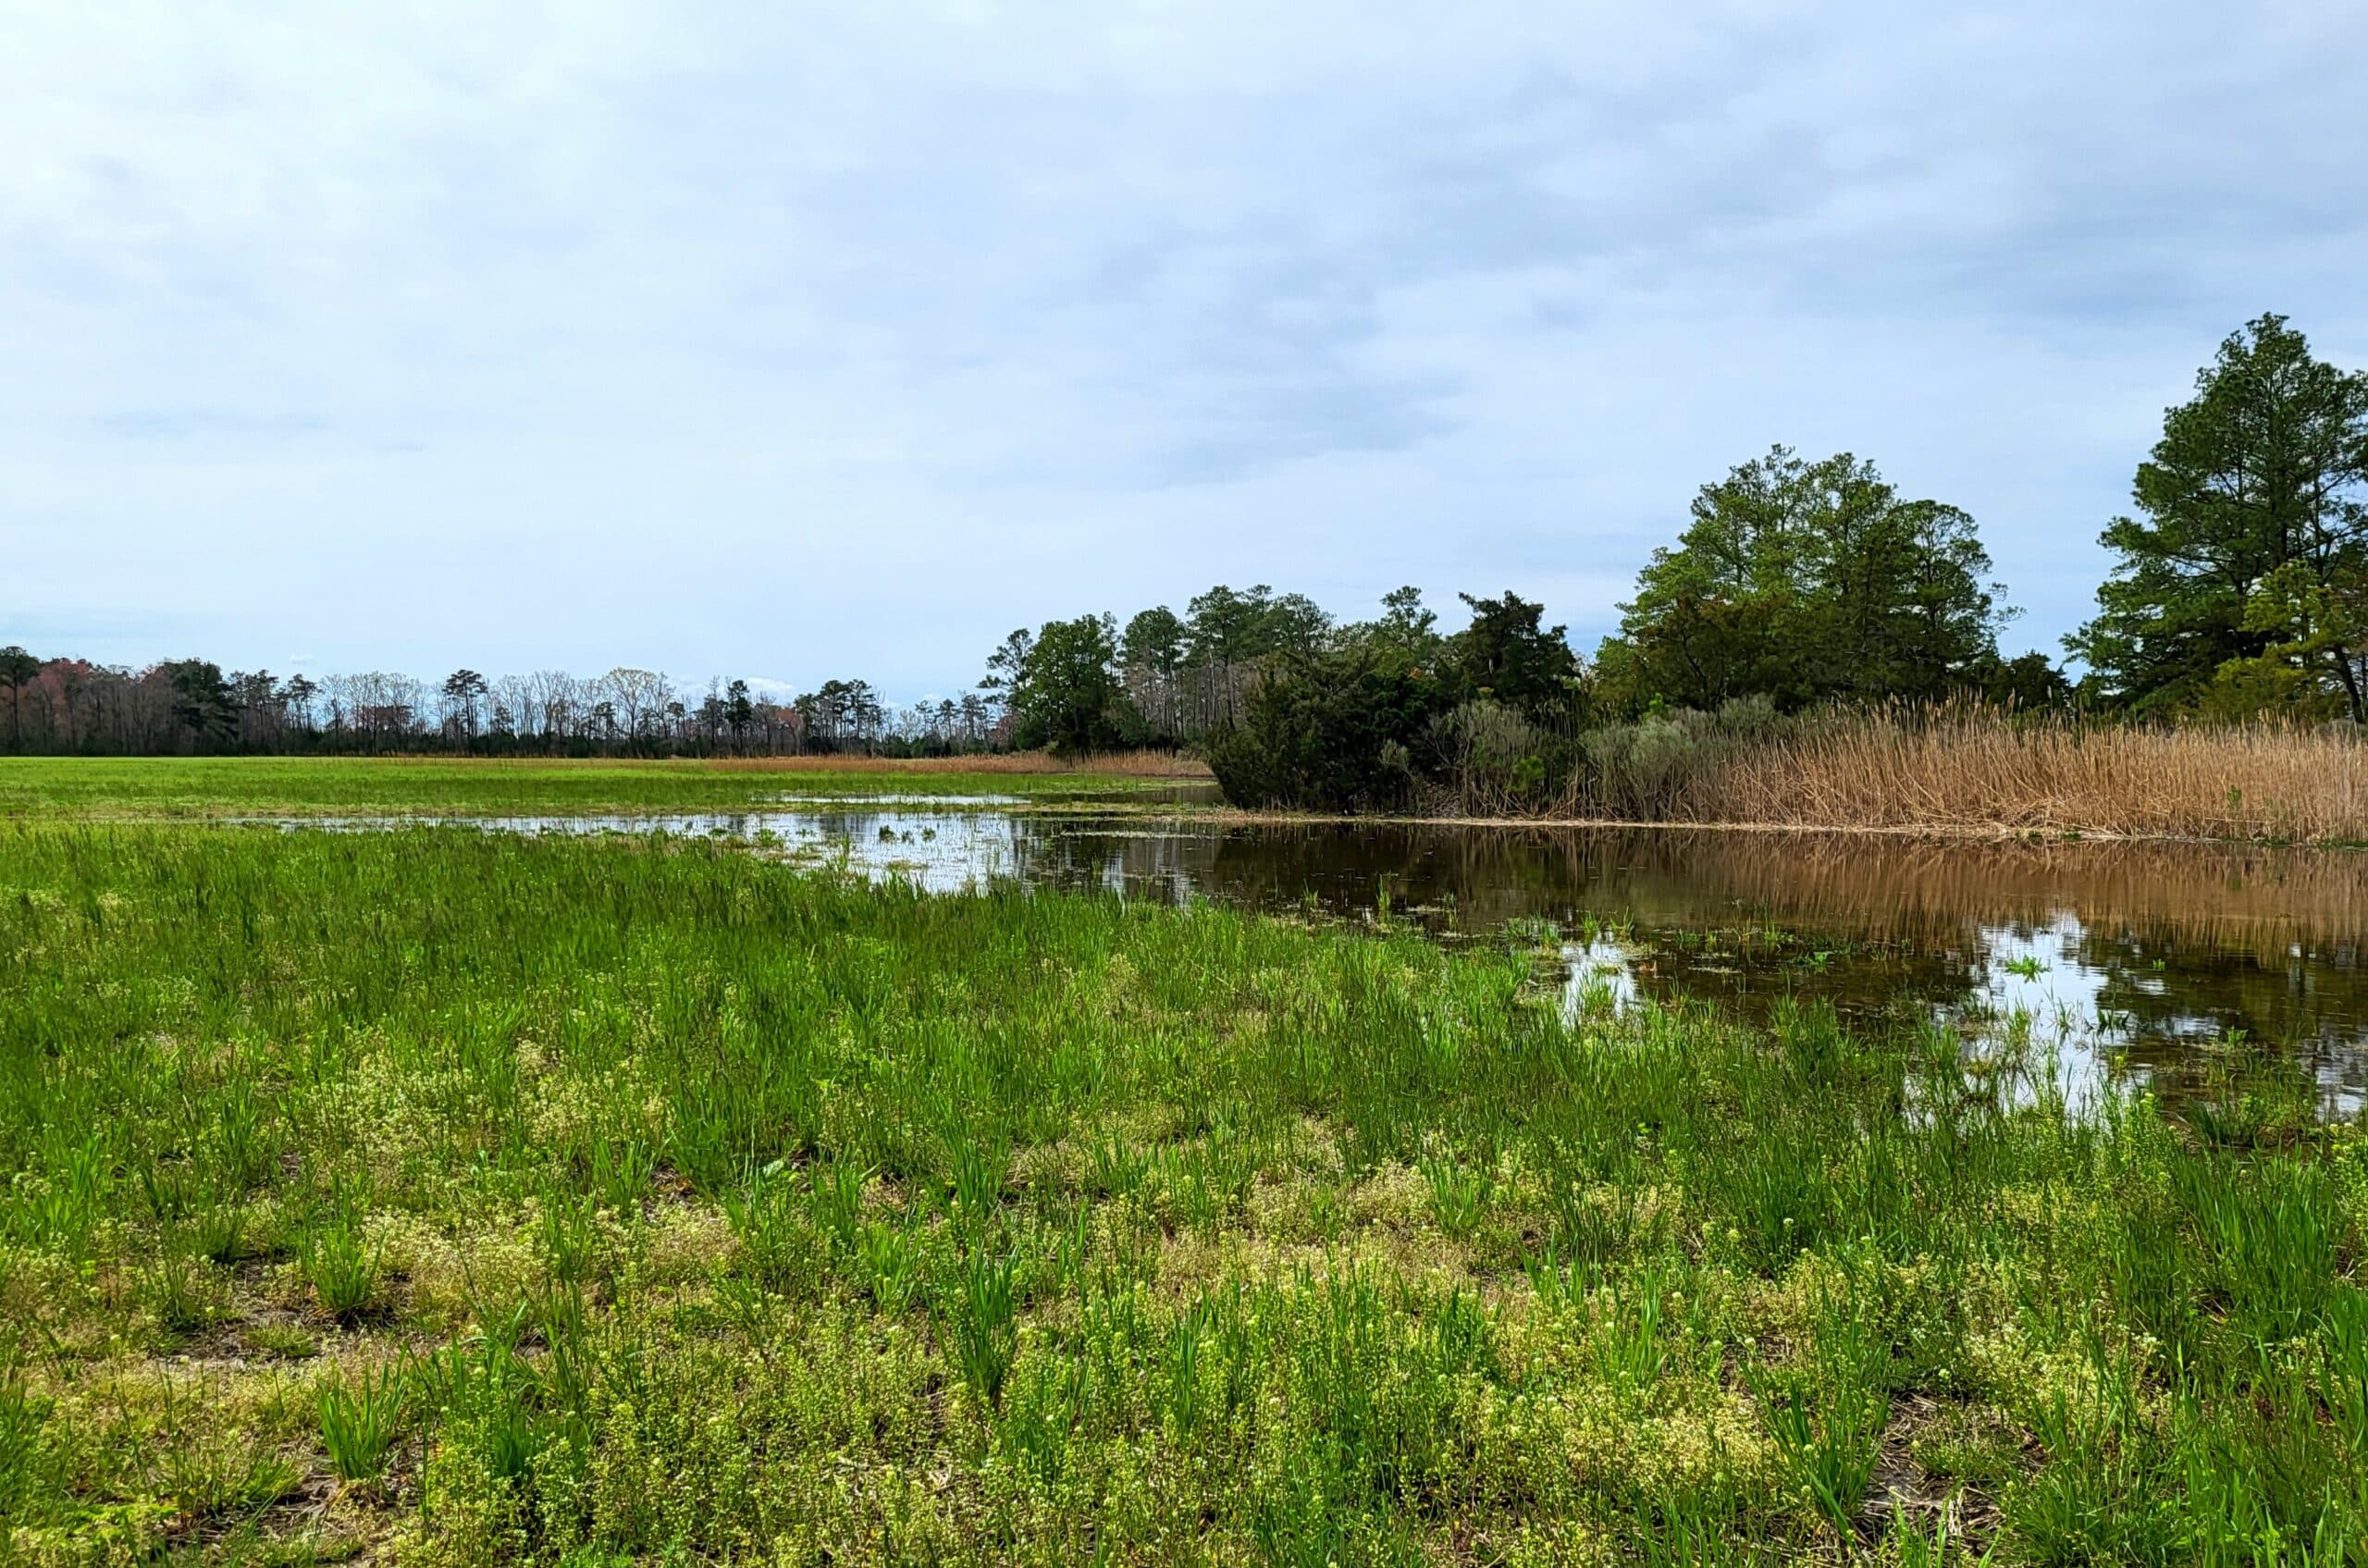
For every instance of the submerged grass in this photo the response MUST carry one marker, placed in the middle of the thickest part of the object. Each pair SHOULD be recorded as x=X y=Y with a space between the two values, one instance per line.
x=449 y=1198
x=219 y=787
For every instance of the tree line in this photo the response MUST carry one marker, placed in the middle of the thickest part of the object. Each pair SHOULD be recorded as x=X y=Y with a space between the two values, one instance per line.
x=192 y=705
x=2240 y=586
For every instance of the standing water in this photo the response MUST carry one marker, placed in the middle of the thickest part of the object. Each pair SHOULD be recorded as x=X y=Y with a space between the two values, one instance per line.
x=2182 y=965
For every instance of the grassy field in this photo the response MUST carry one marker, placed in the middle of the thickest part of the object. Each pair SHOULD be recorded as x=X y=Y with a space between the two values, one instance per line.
x=439 y=1198
x=217 y=786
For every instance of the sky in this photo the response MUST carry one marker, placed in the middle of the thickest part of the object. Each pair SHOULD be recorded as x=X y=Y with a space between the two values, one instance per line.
x=796 y=341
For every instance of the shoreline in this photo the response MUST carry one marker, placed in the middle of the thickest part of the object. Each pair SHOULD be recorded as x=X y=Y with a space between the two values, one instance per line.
x=95 y=790
x=1221 y=815
x=1996 y=832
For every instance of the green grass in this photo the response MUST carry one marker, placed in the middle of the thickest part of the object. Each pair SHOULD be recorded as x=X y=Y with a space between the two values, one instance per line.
x=84 y=788
x=447 y=1198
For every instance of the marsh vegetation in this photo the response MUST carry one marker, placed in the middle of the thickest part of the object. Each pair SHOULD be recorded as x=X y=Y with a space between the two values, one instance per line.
x=289 y=786
x=452 y=1197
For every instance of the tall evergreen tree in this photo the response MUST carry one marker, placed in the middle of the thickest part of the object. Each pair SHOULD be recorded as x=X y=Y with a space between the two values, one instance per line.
x=1509 y=654
x=2242 y=580
x=16 y=667
x=203 y=701
x=1152 y=652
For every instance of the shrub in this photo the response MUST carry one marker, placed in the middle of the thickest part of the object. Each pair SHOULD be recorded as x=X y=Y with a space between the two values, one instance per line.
x=1332 y=732
x=1494 y=761
x=1649 y=770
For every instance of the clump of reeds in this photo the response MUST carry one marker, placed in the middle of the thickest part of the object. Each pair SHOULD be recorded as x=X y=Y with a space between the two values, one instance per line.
x=1968 y=767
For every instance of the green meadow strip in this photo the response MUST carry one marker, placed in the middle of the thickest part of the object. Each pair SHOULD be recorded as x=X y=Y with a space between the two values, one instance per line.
x=433 y=1197
x=84 y=787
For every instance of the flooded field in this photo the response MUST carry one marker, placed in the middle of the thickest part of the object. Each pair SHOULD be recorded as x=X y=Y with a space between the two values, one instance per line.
x=381 y=1174
x=2180 y=963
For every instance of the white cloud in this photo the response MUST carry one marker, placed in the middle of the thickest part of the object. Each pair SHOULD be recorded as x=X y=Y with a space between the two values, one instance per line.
x=837 y=340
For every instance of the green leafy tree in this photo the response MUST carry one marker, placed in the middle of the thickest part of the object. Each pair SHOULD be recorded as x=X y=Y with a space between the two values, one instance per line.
x=1069 y=698
x=2234 y=577
x=2028 y=682
x=841 y=714
x=1233 y=628
x=1154 y=640
x=1407 y=632
x=1804 y=582
x=296 y=697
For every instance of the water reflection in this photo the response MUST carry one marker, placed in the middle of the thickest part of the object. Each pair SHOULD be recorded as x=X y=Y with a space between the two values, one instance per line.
x=2110 y=958
x=2144 y=960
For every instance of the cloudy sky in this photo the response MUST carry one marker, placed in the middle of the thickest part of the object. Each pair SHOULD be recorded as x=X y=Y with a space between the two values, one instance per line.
x=797 y=340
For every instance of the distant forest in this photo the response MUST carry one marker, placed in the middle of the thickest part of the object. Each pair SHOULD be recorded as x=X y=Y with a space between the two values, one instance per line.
x=2240 y=587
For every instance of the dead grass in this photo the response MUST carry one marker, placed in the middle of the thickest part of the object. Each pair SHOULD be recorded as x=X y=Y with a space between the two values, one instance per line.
x=1129 y=764
x=1974 y=768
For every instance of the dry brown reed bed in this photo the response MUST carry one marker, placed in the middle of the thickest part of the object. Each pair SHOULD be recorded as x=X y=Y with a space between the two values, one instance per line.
x=1126 y=764
x=1974 y=770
